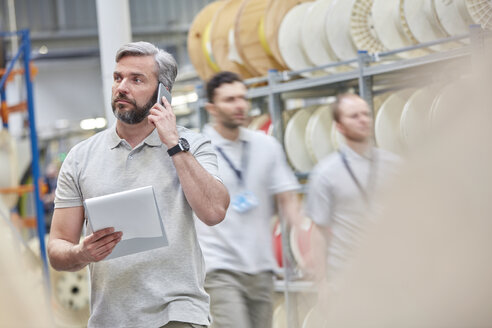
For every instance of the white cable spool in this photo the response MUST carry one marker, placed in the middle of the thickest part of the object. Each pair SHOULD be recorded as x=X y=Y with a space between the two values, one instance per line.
x=453 y=16
x=387 y=125
x=313 y=36
x=315 y=318
x=70 y=293
x=424 y=24
x=450 y=102
x=390 y=29
x=414 y=123
x=300 y=241
x=262 y=123
x=337 y=139
x=362 y=27
x=295 y=145
x=289 y=38
x=481 y=12
x=319 y=134
x=279 y=316
x=338 y=29
x=9 y=167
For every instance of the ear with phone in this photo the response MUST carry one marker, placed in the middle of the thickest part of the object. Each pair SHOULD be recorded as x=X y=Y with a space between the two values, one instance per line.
x=163 y=92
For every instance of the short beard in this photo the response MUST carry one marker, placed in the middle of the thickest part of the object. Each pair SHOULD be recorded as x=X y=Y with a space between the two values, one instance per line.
x=136 y=115
x=231 y=125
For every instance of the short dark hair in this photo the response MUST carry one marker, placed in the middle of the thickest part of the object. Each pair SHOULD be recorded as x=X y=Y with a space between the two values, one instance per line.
x=217 y=80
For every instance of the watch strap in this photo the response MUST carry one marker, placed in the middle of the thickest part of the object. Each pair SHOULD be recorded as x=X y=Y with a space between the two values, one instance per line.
x=181 y=146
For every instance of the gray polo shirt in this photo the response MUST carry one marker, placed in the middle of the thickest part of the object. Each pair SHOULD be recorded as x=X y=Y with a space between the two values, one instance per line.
x=334 y=201
x=146 y=289
x=243 y=241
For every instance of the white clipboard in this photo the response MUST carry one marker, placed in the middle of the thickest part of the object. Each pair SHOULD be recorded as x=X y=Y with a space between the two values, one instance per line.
x=135 y=213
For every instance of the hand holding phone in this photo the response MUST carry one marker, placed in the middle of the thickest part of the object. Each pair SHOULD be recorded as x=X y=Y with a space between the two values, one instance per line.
x=163 y=92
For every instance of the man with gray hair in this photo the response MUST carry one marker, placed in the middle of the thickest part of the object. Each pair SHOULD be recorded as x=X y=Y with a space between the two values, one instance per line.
x=162 y=287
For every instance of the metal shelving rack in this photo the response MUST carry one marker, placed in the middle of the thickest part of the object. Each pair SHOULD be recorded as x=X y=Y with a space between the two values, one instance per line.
x=371 y=72
x=24 y=52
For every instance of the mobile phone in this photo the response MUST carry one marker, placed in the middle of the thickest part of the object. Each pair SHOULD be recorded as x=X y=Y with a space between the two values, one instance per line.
x=163 y=92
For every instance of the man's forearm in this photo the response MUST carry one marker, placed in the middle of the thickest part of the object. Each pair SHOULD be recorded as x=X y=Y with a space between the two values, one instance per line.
x=207 y=197
x=289 y=207
x=63 y=256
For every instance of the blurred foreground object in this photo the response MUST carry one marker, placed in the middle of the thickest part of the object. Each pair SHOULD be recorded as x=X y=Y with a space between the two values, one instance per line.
x=23 y=302
x=426 y=262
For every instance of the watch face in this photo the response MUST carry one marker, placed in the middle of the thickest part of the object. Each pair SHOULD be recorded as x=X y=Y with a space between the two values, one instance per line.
x=184 y=144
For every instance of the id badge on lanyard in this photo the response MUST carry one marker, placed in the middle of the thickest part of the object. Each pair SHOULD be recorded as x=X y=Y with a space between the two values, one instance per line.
x=245 y=200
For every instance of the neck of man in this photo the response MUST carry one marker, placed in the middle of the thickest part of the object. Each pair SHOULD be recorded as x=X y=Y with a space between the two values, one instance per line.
x=229 y=133
x=360 y=147
x=134 y=134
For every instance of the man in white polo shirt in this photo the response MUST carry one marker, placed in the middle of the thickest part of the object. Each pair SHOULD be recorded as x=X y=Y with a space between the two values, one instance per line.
x=341 y=186
x=238 y=252
x=162 y=287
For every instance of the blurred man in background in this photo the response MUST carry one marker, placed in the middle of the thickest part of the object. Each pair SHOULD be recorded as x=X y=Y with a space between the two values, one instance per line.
x=426 y=263
x=238 y=252
x=342 y=184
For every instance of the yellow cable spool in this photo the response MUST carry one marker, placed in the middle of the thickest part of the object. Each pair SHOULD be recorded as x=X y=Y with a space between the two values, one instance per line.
x=196 y=39
x=251 y=39
x=223 y=43
x=262 y=37
x=207 y=48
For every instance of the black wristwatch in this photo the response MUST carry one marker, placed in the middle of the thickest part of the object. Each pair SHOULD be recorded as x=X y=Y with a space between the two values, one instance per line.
x=182 y=145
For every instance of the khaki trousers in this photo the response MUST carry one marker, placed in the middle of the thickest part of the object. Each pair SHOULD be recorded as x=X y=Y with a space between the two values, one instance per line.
x=239 y=300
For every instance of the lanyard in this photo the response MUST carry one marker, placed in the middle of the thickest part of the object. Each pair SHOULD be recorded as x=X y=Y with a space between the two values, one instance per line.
x=244 y=162
x=371 y=178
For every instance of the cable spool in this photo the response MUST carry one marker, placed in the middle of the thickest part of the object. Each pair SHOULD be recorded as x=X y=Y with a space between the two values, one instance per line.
x=267 y=127
x=338 y=29
x=9 y=168
x=70 y=293
x=453 y=16
x=221 y=25
x=251 y=43
x=275 y=12
x=256 y=121
x=295 y=145
x=423 y=23
x=207 y=49
x=362 y=27
x=313 y=36
x=387 y=125
x=481 y=12
x=289 y=38
x=300 y=242
x=197 y=39
x=279 y=316
x=23 y=302
x=277 y=243
x=315 y=318
x=390 y=28
x=414 y=123
x=319 y=134
x=337 y=138
x=262 y=123
x=449 y=102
